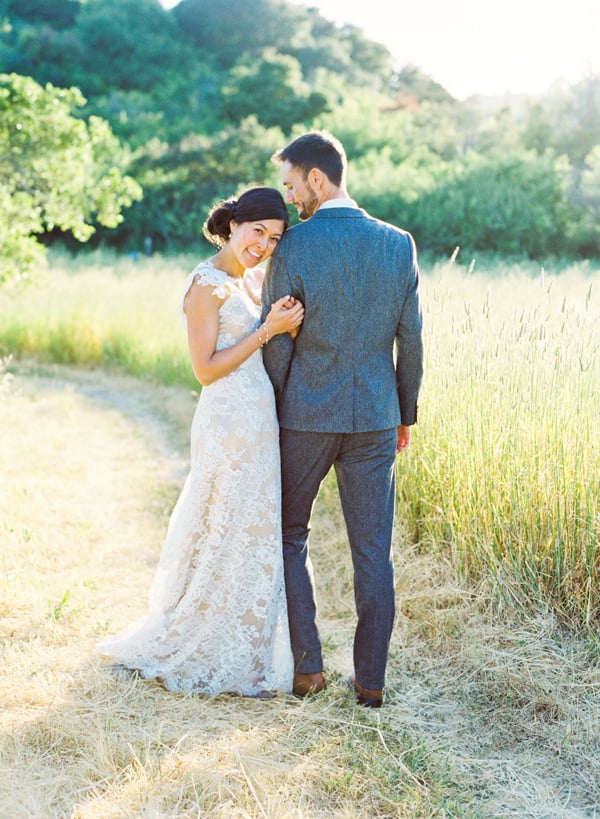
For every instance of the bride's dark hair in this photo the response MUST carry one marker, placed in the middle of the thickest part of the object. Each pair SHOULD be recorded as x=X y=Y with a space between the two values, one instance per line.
x=251 y=206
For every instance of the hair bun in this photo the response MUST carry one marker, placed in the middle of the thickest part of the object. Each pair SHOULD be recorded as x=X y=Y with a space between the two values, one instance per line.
x=231 y=205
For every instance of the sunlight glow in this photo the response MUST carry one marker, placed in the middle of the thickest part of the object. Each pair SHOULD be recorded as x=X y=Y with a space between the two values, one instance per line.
x=518 y=46
x=513 y=46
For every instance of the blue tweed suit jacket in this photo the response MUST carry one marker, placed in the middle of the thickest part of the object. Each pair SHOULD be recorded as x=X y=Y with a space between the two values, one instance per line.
x=357 y=362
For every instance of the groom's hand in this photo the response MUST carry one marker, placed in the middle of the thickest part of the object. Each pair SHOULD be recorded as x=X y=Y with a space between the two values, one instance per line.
x=403 y=438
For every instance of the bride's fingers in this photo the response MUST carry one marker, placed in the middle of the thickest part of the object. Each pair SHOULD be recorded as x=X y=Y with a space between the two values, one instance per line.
x=288 y=303
x=295 y=318
x=281 y=302
x=293 y=312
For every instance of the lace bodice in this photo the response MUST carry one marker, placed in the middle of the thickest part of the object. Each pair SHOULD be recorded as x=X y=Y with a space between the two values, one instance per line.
x=238 y=315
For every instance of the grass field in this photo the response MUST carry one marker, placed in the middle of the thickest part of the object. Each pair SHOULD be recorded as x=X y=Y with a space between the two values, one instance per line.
x=492 y=702
x=507 y=479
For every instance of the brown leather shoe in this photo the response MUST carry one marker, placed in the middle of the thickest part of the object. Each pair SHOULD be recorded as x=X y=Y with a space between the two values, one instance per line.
x=305 y=684
x=368 y=697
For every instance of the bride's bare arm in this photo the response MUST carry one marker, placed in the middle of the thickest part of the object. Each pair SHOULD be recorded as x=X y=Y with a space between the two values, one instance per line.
x=202 y=313
x=253 y=280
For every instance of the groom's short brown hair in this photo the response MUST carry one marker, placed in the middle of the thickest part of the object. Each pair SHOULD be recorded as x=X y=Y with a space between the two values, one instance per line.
x=316 y=149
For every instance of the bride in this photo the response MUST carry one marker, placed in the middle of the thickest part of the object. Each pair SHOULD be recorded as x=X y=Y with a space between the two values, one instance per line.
x=217 y=617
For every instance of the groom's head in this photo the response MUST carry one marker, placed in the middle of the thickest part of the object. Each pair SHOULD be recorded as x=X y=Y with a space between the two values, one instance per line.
x=313 y=169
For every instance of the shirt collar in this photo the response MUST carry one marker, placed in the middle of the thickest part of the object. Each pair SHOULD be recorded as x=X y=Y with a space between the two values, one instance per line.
x=339 y=203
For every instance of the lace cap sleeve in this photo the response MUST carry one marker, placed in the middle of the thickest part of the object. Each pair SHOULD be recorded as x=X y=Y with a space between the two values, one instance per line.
x=206 y=274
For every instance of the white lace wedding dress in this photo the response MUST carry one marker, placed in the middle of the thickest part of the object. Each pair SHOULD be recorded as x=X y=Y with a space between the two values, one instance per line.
x=217 y=616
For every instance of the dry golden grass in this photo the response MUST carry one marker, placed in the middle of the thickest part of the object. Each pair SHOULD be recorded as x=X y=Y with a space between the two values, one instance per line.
x=485 y=717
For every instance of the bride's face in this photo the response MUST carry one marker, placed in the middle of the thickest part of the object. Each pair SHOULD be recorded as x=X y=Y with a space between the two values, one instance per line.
x=253 y=242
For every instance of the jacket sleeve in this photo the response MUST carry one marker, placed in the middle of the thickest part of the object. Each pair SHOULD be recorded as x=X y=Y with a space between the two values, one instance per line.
x=277 y=353
x=409 y=344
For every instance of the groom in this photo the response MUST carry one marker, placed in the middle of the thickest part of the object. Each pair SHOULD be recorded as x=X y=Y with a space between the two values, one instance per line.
x=347 y=390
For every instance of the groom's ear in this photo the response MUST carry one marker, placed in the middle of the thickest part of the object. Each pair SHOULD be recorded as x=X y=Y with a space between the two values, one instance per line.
x=316 y=178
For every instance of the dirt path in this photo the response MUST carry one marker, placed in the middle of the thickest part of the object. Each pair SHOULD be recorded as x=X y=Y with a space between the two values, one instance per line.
x=162 y=414
x=510 y=708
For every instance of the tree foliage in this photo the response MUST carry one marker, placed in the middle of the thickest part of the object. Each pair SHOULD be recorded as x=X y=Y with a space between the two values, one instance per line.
x=56 y=171
x=199 y=96
x=585 y=230
x=59 y=14
x=128 y=44
x=497 y=202
x=180 y=180
x=290 y=99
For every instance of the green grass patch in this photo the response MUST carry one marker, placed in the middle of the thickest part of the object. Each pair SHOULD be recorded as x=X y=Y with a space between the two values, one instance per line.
x=112 y=312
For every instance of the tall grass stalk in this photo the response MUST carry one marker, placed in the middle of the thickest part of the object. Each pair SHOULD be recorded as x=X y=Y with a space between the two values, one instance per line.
x=505 y=470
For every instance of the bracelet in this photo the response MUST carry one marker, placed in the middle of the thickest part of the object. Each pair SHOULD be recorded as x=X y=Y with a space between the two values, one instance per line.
x=263 y=328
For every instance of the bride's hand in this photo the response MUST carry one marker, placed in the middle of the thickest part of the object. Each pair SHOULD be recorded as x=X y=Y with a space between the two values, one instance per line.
x=285 y=316
x=290 y=303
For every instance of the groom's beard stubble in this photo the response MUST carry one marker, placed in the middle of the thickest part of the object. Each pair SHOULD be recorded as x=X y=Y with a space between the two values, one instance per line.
x=309 y=207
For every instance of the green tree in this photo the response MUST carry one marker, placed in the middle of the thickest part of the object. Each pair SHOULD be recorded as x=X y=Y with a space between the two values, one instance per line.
x=182 y=181
x=45 y=53
x=578 y=130
x=182 y=104
x=143 y=75
x=56 y=171
x=507 y=204
x=373 y=59
x=290 y=100
x=367 y=130
x=233 y=28
x=59 y=14
x=411 y=81
x=128 y=44
x=585 y=229
x=538 y=132
x=566 y=121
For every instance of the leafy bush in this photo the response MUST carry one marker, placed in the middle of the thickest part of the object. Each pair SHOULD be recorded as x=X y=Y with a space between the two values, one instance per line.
x=56 y=171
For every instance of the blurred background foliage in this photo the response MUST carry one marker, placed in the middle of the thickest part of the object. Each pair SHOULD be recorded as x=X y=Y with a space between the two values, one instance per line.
x=194 y=100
